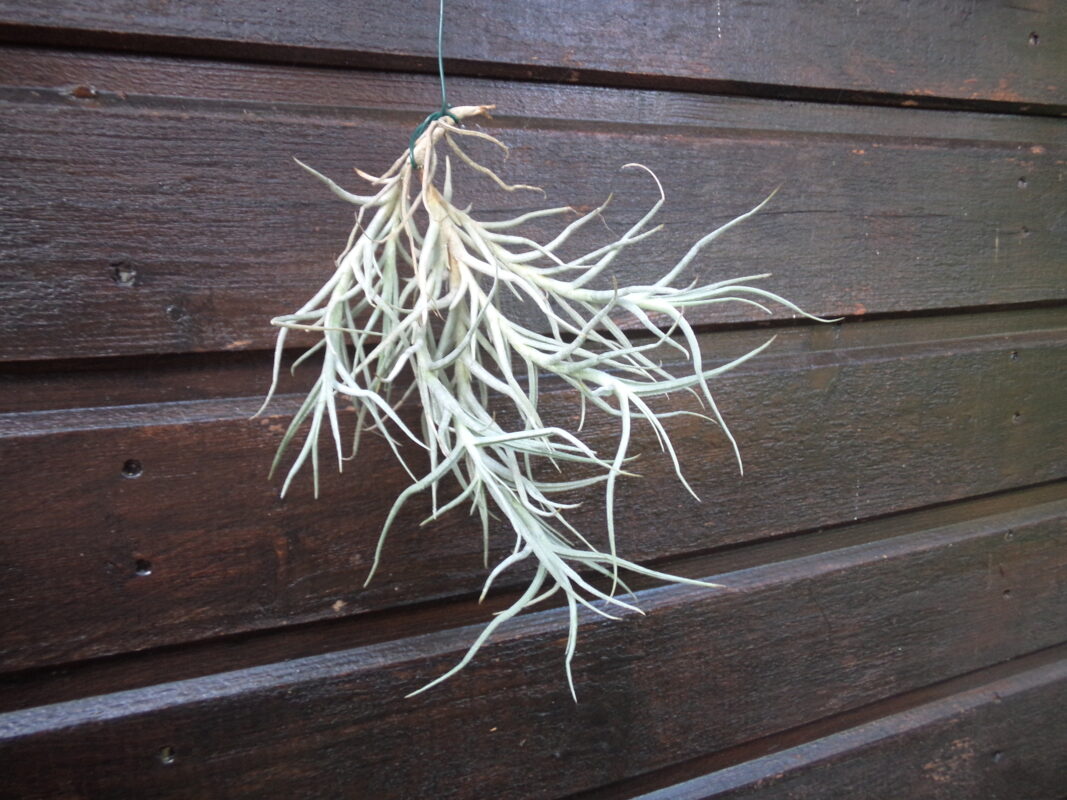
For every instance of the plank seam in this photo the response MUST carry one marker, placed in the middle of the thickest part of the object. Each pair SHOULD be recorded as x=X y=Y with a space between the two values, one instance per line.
x=264 y=53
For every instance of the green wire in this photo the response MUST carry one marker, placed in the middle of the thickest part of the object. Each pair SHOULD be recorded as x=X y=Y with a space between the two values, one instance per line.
x=445 y=107
x=440 y=52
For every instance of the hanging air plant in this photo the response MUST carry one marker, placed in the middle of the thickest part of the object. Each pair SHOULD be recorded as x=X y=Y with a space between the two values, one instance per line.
x=413 y=310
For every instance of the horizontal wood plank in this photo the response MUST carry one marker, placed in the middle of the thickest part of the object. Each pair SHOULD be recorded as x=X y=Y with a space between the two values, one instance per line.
x=56 y=385
x=1005 y=739
x=818 y=427
x=893 y=621
x=97 y=78
x=702 y=671
x=124 y=237
x=81 y=679
x=960 y=51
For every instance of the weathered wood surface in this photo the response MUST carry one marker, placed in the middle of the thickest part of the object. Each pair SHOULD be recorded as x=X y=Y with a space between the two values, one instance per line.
x=978 y=743
x=109 y=77
x=958 y=49
x=68 y=385
x=701 y=671
x=76 y=680
x=147 y=224
x=971 y=416
x=895 y=555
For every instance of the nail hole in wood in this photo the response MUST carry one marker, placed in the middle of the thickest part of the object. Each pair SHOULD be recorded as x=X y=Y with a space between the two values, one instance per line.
x=1034 y=39
x=142 y=567
x=123 y=274
x=166 y=755
x=132 y=469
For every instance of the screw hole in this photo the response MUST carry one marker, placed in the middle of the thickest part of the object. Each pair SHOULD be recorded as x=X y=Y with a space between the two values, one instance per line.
x=1017 y=417
x=1034 y=39
x=176 y=313
x=1014 y=355
x=1024 y=231
x=1022 y=183
x=1007 y=594
x=998 y=756
x=132 y=469
x=142 y=567
x=123 y=274
x=166 y=755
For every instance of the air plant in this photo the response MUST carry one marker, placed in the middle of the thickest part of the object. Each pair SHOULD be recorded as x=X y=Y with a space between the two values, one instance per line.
x=413 y=309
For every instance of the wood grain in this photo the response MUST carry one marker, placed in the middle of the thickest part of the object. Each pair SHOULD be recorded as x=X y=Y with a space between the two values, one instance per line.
x=893 y=622
x=978 y=743
x=159 y=225
x=81 y=679
x=957 y=50
x=786 y=643
x=103 y=78
x=969 y=417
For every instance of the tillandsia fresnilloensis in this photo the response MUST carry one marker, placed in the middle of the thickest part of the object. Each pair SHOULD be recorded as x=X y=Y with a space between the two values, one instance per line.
x=413 y=308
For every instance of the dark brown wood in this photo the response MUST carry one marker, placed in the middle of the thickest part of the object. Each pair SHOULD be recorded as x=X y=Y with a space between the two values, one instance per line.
x=196 y=203
x=77 y=680
x=34 y=386
x=101 y=79
x=228 y=556
x=979 y=743
x=751 y=754
x=787 y=642
x=958 y=50
x=895 y=622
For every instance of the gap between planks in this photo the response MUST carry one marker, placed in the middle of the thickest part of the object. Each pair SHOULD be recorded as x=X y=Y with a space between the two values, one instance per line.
x=264 y=54
x=775 y=756
x=402 y=625
x=802 y=345
x=116 y=82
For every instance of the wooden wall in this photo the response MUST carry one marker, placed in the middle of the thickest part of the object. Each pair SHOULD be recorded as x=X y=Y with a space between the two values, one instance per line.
x=896 y=552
